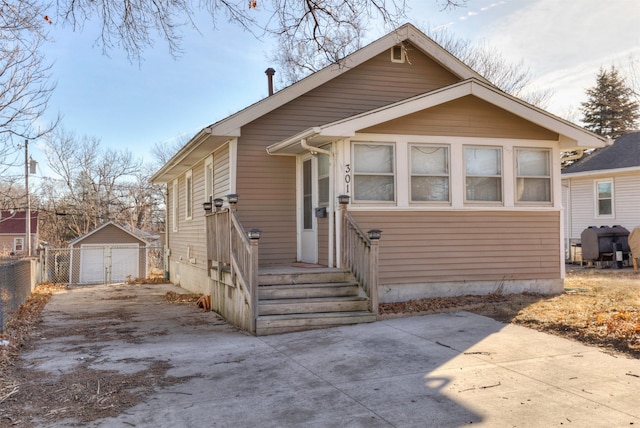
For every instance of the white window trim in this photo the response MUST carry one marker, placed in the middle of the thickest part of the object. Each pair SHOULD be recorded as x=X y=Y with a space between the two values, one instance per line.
x=394 y=49
x=344 y=171
x=394 y=172
x=410 y=174
x=208 y=181
x=551 y=177
x=174 y=205
x=502 y=175
x=596 y=199
x=15 y=244
x=188 y=195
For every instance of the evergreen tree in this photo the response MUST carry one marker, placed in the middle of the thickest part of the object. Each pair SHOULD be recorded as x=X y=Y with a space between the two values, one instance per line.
x=611 y=110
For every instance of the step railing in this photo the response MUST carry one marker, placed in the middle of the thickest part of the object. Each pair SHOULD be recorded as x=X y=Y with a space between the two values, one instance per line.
x=233 y=268
x=360 y=256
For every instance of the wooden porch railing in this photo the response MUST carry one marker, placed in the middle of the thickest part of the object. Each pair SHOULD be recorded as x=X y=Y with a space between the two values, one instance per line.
x=230 y=252
x=360 y=256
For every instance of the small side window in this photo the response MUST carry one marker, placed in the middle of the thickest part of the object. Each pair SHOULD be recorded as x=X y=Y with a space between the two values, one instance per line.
x=397 y=54
x=188 y=199
x=604 y=198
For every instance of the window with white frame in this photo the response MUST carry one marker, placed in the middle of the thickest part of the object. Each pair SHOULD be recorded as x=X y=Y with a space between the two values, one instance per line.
x=323 y=180
x=208 y=179
x=429 y=173
x=188 y=195
x=483 y=174
x=174 y=205
x=533 y=175
x=604 y=198
x=373 y=172
x=18 y=244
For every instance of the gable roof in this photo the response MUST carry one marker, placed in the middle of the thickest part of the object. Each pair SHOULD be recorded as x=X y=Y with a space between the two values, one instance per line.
x=623 y=154
x=103 y=226
x=571 y=135
x=14 y=222
x=230 y=127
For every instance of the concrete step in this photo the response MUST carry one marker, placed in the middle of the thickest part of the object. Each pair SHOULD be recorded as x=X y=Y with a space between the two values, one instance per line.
x=312 y=305
x=301 y=291
x=276 y=324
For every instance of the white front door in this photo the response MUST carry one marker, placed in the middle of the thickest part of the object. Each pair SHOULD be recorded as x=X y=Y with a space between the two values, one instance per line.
x=307 y=200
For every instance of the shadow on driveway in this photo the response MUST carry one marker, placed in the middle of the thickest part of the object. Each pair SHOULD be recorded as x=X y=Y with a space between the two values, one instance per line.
x=181 y=367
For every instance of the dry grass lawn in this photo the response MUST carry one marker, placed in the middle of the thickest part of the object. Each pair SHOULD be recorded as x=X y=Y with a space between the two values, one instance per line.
x=599 y=307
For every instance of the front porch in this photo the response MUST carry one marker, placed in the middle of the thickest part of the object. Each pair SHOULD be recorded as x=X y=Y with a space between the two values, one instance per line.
x=294 y=296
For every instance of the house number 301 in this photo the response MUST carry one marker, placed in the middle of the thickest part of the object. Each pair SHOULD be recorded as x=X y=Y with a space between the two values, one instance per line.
x=347 y=177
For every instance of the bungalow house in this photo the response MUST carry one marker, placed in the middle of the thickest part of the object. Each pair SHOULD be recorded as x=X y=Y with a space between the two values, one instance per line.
x=603 y=189
x=13 y=234
x=401 y=171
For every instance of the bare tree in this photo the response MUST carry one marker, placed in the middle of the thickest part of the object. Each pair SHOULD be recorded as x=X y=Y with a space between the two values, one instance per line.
x=132 y=25
x=512 y=77
x=92 y=186
x=25 y=86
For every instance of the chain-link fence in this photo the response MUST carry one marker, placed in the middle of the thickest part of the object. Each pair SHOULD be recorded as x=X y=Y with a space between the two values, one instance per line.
x=16 y=282
x=102 y=264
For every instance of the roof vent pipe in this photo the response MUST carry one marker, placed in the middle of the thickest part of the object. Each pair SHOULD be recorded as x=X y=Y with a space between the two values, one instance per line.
x=270 y=72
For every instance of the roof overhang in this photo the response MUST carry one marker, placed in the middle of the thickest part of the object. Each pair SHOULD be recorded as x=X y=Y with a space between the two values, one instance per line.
x=572 y=137
x=198 y=148
x=602 y=172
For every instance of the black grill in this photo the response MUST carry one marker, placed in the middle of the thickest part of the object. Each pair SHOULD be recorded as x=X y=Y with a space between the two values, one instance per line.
x=605 y=243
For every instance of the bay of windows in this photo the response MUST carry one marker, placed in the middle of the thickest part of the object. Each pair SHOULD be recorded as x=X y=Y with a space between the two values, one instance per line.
x=431 y=173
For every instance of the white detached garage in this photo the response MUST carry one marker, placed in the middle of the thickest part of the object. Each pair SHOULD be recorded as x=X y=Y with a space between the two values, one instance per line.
x=109 y=253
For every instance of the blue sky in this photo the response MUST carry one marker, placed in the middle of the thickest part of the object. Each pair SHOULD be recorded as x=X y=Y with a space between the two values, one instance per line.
x=134 y=105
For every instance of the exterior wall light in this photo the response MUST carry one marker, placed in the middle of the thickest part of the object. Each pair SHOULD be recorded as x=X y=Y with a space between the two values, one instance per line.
x=232 y=198
x=343 y=199
x=374 y=234
x=254 y=234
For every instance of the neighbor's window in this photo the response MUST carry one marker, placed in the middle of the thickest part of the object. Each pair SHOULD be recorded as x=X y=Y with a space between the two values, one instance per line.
x=323 y=180
x=18 y=244
x=429 y=173
x=604 y=195
x=188 y=198
x=533 y=175
x=483 y=174
x=373 y=172
x=174 y=205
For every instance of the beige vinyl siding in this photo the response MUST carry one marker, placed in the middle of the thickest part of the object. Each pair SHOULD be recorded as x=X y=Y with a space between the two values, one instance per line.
x=266 y=184
x=323 y=240
x=445 y=246
x=465 y=117
x=221 y=168
x=626 y=200
x=191 y=233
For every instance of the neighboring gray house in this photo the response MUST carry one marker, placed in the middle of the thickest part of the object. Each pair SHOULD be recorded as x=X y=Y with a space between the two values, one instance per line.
x=603 y=188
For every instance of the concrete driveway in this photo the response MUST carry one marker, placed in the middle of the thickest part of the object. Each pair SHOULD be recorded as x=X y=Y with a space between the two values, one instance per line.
x=444 y=370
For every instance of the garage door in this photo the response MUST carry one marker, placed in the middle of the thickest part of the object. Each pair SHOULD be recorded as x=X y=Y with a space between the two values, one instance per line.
x=99 y=263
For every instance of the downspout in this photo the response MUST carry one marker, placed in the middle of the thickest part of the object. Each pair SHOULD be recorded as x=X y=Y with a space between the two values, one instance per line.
x=315 y=151
x=578 y=155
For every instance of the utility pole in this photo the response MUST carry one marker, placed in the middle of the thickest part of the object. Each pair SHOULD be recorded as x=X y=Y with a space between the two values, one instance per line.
x=26 y=185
